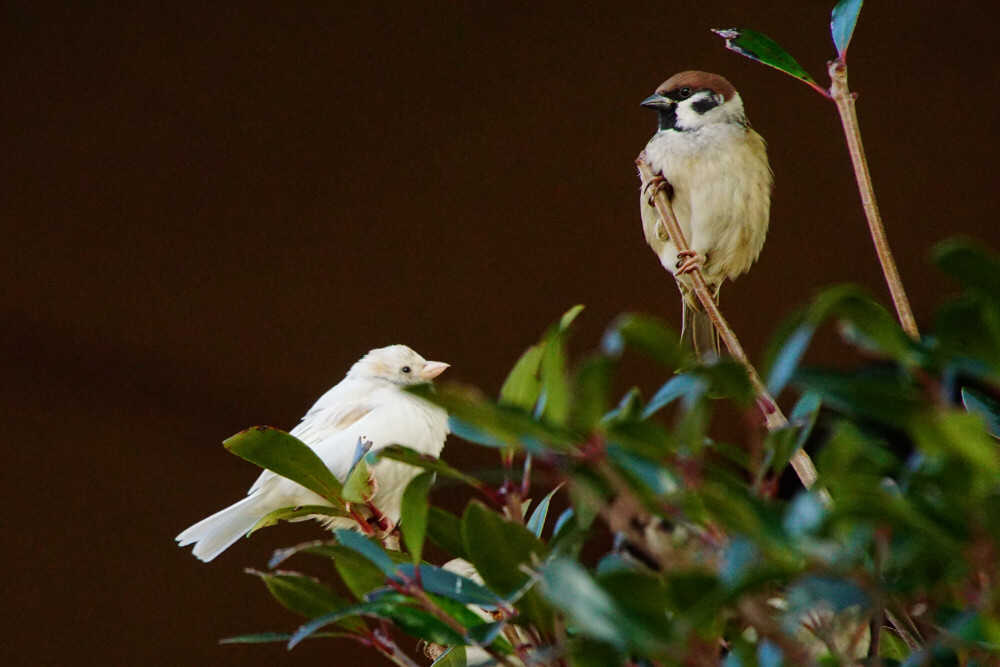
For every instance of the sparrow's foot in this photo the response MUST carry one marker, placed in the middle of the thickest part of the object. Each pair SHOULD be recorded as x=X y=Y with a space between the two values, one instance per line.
x=654 y=185
x=688 y=261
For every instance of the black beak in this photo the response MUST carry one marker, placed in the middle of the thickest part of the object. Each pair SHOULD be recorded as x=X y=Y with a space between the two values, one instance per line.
x=657 y=101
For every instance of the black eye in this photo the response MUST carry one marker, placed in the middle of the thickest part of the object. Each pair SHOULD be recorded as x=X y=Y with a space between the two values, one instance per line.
x=405 y=369
x=684 y=92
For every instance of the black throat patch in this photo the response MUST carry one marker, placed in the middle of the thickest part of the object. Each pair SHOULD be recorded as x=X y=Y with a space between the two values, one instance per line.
x=668 y=118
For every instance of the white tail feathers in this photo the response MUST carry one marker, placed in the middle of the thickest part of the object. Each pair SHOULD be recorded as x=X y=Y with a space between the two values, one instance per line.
x=218 y=532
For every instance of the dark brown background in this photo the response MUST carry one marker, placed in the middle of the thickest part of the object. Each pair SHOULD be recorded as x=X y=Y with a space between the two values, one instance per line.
x=211 y=209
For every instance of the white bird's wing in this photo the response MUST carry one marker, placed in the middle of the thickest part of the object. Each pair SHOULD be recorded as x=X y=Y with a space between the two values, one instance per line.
x=327 y=417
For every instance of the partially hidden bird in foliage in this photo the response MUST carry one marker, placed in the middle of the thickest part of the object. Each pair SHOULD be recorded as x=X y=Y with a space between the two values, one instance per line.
x=714 y=169
x=369 y=404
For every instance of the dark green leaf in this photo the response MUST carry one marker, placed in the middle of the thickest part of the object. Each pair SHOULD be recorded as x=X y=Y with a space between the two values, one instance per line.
x=591 y=609
x=758 y=46
x=553 y=405
x=446 y=583
x=970 y=264
x=413 y=521
x=367 y=548
x=498 y=548
x=415 y=622
x=586 y=652
x=877 y=394
x=647 y=335
x=427 y=462
x=445 y=531
x=688 y=385
x=978 y=403
x=960 y=434
x=655 y=476
x=359 y=574
x=842 y=22
x=537 y=521
x=315 y=547
x=591 y=391
x=273 y=637
x=306 y=596
x=287 y=456
x=289 y=513
x=523 y=386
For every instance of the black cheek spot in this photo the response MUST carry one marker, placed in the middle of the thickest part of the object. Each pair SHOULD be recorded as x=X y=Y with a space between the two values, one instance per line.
x=704 y=105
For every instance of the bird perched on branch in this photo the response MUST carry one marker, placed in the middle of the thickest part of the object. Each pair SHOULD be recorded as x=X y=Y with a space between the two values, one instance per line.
x=369 y=403
x=714 y=169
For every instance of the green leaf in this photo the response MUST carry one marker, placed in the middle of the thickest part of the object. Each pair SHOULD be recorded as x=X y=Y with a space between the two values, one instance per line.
x=690 y=386
x=367 y=548
x=476 y=418
x=537 y=521
x=647 y=335
x=359 y=574
x=415 y=622
x=590 y=608
x=273 y=637
x=877 y=394
x=970 y=264
x=978 y=403
x=453 y=657
x=446 y=583
x=591 y=391
x=498 y=548
x=586 y=652
x=358 y=485
x=842 y=22
x=413 y=521
x=428 y=463
x=316 y=547
x=306 y=596
x=758 y=46
x=290 y=513
x=444 y=529
x=789 y=355
x=653 y=475
x=567 y=319
x=287 y=456
x=523 y=386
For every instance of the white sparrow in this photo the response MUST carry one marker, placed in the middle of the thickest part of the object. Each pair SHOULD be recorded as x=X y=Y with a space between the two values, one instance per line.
x=715 y=170
x=369 y=403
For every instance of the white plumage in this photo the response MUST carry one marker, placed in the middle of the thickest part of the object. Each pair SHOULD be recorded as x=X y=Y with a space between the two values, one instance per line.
x=369 y=403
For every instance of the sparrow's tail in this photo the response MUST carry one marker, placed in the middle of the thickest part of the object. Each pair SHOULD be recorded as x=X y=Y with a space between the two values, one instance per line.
x=218 y=532
x=697 y=330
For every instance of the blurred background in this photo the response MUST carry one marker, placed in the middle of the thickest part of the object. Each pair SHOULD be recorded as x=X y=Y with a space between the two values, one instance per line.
x=210 y=210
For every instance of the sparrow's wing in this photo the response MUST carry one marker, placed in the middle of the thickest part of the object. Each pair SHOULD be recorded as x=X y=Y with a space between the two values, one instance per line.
x=324 y=419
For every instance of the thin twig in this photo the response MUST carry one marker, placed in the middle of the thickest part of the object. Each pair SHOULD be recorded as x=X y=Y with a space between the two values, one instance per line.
x=844 y=99
x=773 y=417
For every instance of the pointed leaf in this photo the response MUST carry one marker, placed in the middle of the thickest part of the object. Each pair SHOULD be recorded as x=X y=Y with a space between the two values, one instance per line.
x=439 y=581
x=970 y=264
x=306 y=596
x=453 y=657
x=758 y=46
x=358 y=485
x=788 y=357
x=648 y=335
x=415 y=622
x=427 y=462
x=272 y=637
x=537 y=521
x=567 y=319
x=445 y=531
x=553 y=405
x=289 y=513
x=591 y=392
x=980 y=404
x=686 y=385
x=413 y=521
x=364 y=546
x=286 y=455
x=523 y=386
x=359 y=574
x=593 y=612
x=842 y=22
x=316 y=547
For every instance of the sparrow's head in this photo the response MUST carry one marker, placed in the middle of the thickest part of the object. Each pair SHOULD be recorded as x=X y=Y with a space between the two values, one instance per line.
x=396 y=364
x=692 y=100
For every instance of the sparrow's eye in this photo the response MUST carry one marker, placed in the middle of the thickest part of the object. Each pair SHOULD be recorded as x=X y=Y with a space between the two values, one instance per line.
x=684 y=92
x=405 y=369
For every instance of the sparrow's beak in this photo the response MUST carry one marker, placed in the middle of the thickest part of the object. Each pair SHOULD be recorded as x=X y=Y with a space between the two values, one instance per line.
x=657 y=102
x=432 y=369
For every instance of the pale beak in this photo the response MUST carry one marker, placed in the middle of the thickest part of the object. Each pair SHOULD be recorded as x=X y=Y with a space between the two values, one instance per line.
x=432 y=369
x=656 y=101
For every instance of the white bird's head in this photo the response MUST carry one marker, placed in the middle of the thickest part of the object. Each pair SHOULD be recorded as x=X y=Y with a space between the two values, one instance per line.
x=692 y=100
x=398 y=365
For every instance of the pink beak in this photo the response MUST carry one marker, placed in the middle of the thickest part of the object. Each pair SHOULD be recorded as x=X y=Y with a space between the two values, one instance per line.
x=432 y=369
